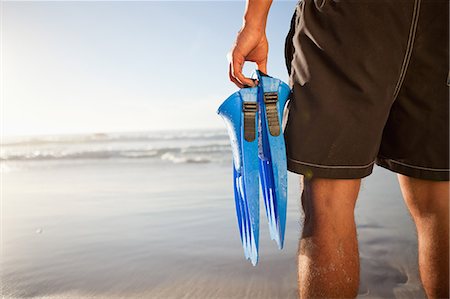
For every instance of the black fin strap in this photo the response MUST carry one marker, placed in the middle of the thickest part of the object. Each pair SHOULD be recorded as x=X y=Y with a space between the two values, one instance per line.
x=249 y=109
x=270 y=100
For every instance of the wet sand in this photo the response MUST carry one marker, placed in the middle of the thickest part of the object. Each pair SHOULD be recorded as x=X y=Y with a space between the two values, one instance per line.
x=146 y=229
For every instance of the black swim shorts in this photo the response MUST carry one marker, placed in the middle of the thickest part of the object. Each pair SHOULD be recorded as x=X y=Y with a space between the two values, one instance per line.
x=370 y=81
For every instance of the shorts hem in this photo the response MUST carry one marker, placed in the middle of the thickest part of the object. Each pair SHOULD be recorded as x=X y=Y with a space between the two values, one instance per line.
x=418 y=172
x=310 y=170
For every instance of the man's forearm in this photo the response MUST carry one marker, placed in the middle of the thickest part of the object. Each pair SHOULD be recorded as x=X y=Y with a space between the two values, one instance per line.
x=256 y=13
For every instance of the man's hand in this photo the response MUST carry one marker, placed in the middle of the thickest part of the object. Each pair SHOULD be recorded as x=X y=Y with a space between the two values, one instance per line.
x=251 y=43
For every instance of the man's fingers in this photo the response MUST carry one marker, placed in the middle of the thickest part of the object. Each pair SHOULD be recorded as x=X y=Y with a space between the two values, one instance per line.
x=232 y=69
x=236 y=63
x=232 y=79
x=237 y=73
x=262 y=66
x=236 y=69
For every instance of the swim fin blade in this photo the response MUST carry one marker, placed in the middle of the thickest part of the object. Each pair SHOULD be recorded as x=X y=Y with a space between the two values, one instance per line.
x=240 y=114
x=272 y=97
x=253 y=117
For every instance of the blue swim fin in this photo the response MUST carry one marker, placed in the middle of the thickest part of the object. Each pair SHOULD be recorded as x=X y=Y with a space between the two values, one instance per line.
x=240 y=114
x=272 y=97
x=253 y=117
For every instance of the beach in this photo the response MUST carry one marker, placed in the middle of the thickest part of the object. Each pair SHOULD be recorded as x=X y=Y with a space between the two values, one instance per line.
x=151 y=215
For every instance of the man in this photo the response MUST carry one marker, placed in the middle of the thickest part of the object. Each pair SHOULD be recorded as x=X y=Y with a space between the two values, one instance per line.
x=370 y=85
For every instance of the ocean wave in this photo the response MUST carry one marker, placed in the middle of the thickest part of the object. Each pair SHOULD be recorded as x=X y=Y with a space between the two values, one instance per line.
x=177 y=159
x=188 y=154
x=172 y=146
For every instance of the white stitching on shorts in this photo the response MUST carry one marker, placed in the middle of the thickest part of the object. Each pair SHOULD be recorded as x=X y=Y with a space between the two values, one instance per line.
x=409 y=48
x=330 y=166
x=417 y=167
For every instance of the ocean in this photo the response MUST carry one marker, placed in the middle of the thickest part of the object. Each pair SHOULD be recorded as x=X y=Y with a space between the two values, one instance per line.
x=151 y=215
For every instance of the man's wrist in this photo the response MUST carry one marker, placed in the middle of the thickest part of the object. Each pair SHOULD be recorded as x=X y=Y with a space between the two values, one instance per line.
x=255 y=27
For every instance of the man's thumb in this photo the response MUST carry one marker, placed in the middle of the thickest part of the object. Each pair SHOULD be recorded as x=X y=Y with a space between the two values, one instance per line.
x=262 y=66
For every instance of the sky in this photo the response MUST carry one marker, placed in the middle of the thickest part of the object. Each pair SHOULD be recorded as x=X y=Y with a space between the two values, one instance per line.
x=114 y=66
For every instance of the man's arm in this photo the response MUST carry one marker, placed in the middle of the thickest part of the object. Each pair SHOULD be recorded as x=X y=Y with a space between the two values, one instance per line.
x=251 y=42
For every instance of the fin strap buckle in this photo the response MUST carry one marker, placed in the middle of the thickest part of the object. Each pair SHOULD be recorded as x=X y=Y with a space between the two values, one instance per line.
x=270 y=100
x=249 y=109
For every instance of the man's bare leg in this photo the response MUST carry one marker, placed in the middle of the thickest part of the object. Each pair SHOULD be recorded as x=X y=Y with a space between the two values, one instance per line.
x=428 y=203
x=328 y=259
